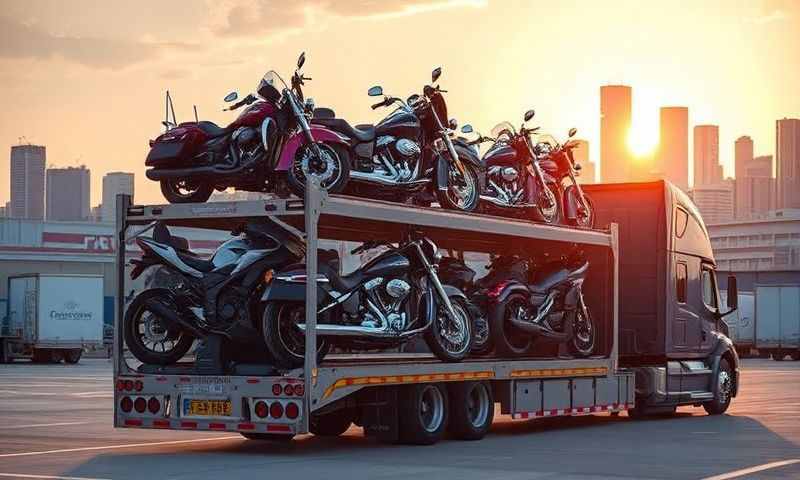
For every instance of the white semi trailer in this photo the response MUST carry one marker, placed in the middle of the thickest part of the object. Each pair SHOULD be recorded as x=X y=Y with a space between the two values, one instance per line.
x=52 y=317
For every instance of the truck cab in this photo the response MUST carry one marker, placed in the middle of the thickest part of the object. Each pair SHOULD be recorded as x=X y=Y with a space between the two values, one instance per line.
x=672 y=322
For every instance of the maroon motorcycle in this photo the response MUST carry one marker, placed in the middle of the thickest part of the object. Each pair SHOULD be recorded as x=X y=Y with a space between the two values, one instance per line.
x=270 y=147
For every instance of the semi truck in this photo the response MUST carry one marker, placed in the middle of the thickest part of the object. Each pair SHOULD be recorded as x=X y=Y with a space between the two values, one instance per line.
x=778 y=321
x=650 y=287
x=52 y=317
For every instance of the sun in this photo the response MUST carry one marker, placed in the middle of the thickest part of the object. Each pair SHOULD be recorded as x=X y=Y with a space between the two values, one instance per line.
x=642 y=140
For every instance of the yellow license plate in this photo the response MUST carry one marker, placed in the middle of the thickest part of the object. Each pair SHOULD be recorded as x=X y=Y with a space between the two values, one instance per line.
x=208 y=408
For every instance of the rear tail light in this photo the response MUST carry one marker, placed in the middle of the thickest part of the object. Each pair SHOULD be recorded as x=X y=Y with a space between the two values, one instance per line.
x=276 y=410
x=153 y=405
x=287 y=389
x=129 y=385
x=292 y=411
x=138 y=385
x=276 y=389
x=126 y=404
x=140 y=404
x=261 y=409
x=120 y=385
x=299 y=389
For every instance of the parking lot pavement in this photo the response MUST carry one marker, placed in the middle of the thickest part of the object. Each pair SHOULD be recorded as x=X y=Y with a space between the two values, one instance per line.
x=55 y=422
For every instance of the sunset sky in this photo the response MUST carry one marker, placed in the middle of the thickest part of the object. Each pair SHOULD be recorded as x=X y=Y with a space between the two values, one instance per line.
x=86 y=78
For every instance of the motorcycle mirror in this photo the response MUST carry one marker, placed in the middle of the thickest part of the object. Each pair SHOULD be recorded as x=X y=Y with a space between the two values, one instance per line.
x=529 y=114
x=301 y=60
x=466 y=128
x=572 y=132
x=437 y=72
x=453 y=124
x=231 y=97
x=375 y=91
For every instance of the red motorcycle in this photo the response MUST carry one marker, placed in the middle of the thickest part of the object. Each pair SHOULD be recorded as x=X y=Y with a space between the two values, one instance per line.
x=269 y=147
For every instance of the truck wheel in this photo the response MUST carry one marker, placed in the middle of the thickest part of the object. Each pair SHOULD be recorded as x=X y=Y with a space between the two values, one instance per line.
x=471 y=409
x=269 y=437
x=73 y=356
x=508 y=340
x=422 y=413
x=285 y=342
x=332 y=424
x=724 y=388
x=778 y=355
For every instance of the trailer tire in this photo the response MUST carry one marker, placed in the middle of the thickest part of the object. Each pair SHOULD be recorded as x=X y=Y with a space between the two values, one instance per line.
x=422 y=413
x=56 y=355
x=332 y=424
x=508 y=341
x=73 y=356
x=268 y=437
x=778 y=355
x=724 y=389
x=471 y=409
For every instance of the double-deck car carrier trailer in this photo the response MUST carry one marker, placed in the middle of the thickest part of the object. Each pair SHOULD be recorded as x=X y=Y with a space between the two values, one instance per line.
x=395 y=396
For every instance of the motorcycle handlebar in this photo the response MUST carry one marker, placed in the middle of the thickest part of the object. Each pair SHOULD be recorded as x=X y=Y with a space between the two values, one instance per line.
x=379 y=104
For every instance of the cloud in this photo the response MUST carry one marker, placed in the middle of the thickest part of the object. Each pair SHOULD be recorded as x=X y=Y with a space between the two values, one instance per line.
x=265 y=17
x=21 y=41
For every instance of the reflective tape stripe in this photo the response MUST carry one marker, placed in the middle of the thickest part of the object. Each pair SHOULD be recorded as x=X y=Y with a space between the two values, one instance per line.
x=401 y=379
x=560 y=372
x=557 y=412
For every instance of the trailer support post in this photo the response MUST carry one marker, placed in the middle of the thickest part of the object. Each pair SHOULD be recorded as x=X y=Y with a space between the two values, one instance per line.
x=313 y=204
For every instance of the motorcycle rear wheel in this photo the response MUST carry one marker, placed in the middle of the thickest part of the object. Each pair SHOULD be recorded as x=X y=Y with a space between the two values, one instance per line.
x=333 y=171
x=144 y=331
x=509 y=341
x=186 y=191
x=447 y=344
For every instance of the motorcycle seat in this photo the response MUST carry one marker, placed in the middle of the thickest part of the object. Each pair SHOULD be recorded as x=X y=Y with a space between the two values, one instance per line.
x=552 y=275
x=212 y=129
x=362 y=133
x=161 y=234
x=199 y=264
x=342 y=283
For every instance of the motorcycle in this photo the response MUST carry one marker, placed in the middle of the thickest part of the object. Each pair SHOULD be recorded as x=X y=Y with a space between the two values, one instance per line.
x=269 y=147
x=216 y=296
x=410 y=155
x=391 y=299
x=525 y=174
x=551 y=307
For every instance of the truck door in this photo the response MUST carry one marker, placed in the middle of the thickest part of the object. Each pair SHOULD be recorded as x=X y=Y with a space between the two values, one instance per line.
x=710 y=310
x=686 y=320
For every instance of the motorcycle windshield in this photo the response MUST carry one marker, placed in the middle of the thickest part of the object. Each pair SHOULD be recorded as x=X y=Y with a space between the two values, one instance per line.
x=544 y=142
x=271 y=86
x=503 y=131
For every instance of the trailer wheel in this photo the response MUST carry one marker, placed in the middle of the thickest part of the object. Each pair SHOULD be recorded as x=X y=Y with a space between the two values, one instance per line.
x=778 y=355
x=268 y=437
x=422 y=413
x=508 y=340
x=332 y=424
x=56 y=355
x=471 y=409
x=73 y=356
x=724 y=389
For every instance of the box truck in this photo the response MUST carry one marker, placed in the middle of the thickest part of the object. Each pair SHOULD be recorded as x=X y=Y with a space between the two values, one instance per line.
x=778 y=320
x=50 y=317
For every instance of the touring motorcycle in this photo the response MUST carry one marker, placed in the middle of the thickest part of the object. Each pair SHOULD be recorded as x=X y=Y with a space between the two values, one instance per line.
x=410 y=155
x=525 y=175
x=391 y=299
x=216 y=296
x=269 y=147
x=540 y=302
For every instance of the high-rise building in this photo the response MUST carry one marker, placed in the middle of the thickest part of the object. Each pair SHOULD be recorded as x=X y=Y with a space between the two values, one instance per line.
x=115 y=183
x=27 y=181
x=707 y=170
x=581 y=154
x=743 y=155
x=615 y=125
x=755 y=186
x=787 y=163
x=715 y=202
x=673 y=148
x=68 y=193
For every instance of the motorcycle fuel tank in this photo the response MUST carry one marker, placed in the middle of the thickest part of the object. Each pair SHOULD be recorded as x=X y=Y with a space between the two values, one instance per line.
x=387 y=264
x=253 y=115
x=504 y=155
x=399 y=123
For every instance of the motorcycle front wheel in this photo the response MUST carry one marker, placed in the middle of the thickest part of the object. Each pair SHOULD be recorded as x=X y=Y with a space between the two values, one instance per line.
x=186 y=191
x=331 y=169
x=451 y=339
x=285 y=341
x=463 y=191
x=148 y=337
x=583 y=338
x=584 y=219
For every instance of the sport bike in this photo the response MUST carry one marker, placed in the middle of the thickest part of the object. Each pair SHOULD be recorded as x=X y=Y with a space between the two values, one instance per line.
x=410 y=155
x=216 y=296
x=391 y=299
x=269 y=147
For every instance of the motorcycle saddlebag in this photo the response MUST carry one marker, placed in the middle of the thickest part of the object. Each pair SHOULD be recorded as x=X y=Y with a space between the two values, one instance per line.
x=176 y=147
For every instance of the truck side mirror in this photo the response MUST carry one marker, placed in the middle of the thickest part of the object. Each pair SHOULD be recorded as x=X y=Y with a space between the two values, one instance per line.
x=733 y=293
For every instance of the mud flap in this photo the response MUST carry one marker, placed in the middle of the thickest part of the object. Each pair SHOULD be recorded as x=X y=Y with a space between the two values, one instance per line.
x=379 y=414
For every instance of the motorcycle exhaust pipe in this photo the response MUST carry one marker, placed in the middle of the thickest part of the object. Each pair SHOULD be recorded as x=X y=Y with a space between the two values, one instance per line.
x=331 y=330
x=368 y=177
x=500 y=203
x=173 y=319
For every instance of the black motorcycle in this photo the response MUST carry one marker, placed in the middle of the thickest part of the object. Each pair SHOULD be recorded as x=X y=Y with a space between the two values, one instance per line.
x=550 y=306
x=391 y=299
x=410 y=154
x=216 y=296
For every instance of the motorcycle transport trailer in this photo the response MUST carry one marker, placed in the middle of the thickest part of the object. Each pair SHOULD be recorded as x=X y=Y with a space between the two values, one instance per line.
x=404 y=397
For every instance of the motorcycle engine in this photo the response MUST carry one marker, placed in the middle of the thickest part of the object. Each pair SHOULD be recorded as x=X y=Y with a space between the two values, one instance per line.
x=504 y=181
x=396 y=158
x=247 y=142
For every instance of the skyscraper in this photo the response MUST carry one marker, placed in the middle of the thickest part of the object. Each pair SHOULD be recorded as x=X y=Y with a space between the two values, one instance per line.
x=27 y=181
x=787 y=163
x=715 y=202
x=115 y=183
x=68 y=193
x=743 y=155
x=581 y=153
x=673 y=149
x=615 y=124
x=707 y=170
